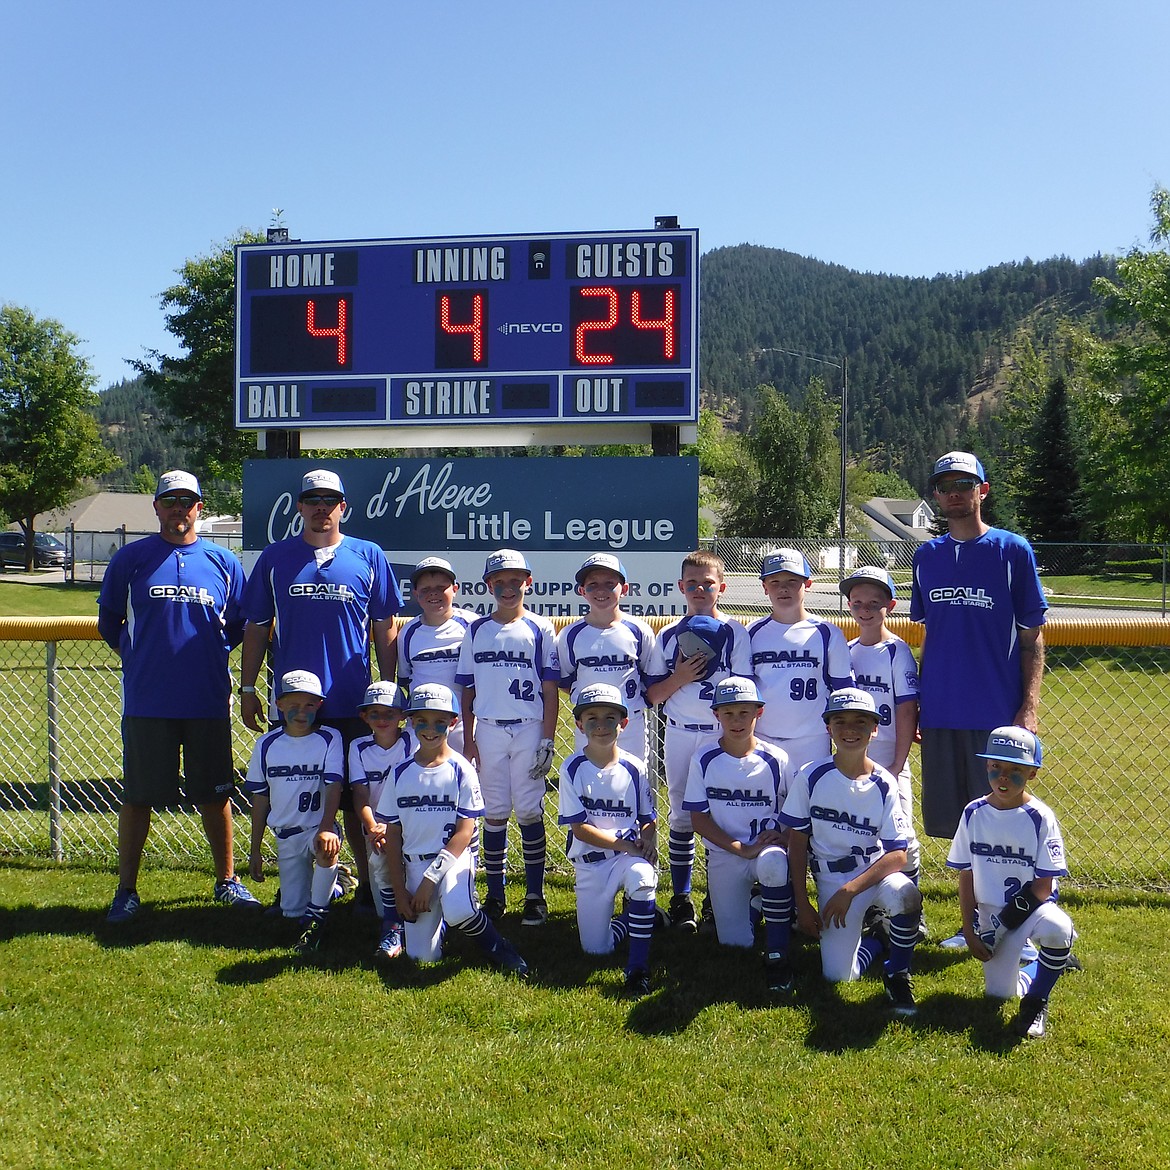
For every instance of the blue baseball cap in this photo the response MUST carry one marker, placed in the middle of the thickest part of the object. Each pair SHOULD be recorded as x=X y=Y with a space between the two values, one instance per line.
x=432 y=697
x=384 y=694
x=601 y=561
x=872 y=574
x=1015 y=745
x=505 y=558
x=961 y=462
x=850 y=699
x=786 y=560
x=735 y=689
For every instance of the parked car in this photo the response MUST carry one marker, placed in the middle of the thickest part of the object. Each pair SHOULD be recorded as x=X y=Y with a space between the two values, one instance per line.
x=48 y=551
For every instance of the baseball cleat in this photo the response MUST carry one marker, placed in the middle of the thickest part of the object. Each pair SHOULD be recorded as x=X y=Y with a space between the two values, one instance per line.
x=778 y=972
x=494 y=908
x=233 y=892
x=638 y=981
x=390 y=944
x=124 y=906
x=955 y=943
x=535 y=912
x=311 y=936
x=682 y=914
x=900 y=992
x=1031 y=1017
x=507 y=959
x=707 y=917
x=661 y=919
x=1072 y=963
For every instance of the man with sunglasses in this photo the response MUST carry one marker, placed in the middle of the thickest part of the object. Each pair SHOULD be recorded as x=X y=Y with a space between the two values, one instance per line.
x=324 y=596
x=170 y=607
x=977 y=591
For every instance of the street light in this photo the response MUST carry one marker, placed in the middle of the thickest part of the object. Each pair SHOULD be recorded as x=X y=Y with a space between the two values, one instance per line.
x=843 y=366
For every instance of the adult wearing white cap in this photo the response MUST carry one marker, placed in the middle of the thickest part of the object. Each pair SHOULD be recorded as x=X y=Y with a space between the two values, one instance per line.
x=977 y=591
x=323 y=596
x=170 y=607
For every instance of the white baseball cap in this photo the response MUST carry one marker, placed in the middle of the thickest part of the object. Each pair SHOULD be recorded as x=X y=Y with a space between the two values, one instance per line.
x=1015 y=745
x=956 y=461
x=601 y=561
x=321 y=480
x=177 y=481
x=785 y=560
x=736 y=689
x=872 y=574
x=850 y=699
x=384 y=694
x=433 y=565
x=505 y=558
x=599 y=695
x=303 y=682
x=432 y=697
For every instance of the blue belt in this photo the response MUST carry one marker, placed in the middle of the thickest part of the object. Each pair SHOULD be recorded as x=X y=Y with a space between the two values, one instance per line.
x=842 y=865
x=285 y=834
x=693 y=726
x=420 y=856
x=596 y=855
x=508 y=722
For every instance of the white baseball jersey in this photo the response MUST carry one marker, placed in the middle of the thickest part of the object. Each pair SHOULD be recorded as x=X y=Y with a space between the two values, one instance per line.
x=428 y=801
x=691 y=705
x=625 y=655
x=371 y=764
x=429 y=654
x=293 y=771
x=617 y=799
x=887 y=671
x=744 y=795
x=796 y=667
x=850 y=823
x=506 y=664
x=1005 y=848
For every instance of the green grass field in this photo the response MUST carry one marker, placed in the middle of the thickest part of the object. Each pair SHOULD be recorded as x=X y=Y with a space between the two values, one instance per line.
x=194 y=1038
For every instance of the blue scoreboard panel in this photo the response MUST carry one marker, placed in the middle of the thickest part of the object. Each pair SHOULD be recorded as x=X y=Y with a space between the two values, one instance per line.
x=575 y=327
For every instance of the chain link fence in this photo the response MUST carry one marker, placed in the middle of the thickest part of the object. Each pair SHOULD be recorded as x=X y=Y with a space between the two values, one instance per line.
x=1105 y=695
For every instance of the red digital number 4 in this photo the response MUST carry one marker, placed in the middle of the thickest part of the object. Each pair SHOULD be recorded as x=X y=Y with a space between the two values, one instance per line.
x=665 y=322
x=338 y=331
x=474 y=327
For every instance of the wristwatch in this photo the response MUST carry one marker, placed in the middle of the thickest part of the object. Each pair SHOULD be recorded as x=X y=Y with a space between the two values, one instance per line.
x=247 y=690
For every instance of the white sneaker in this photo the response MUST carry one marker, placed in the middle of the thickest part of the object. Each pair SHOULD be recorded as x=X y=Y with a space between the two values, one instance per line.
x=955 y=943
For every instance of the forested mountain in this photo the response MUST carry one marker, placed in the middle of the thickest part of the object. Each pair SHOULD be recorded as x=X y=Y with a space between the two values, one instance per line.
x=919 y=348
x=134 y=427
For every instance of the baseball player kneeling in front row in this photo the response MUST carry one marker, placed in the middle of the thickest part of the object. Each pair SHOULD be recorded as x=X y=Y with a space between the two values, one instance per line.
x=606 y=800
x=849 y=829
x=734 y=793
x=430 y=806
x=1009 y=853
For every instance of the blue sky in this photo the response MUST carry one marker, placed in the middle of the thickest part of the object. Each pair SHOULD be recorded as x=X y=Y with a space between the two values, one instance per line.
x=903 y=137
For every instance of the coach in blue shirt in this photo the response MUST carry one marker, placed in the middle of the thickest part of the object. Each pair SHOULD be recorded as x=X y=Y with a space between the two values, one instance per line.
x=323 y=596
x=977 y=591
x=170 y=607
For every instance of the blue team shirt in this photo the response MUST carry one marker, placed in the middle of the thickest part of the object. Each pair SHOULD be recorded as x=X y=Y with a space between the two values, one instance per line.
x=974 y=597
x=173 y=612
x=322 y=613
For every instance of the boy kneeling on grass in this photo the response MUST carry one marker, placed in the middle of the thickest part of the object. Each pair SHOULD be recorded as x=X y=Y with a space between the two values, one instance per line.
x=294 y=780
x=1009 y=853
x=606 y=800
x=430 y=805
x=849 y=829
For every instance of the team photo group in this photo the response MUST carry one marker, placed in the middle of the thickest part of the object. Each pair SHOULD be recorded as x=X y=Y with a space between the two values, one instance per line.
x=785 y=747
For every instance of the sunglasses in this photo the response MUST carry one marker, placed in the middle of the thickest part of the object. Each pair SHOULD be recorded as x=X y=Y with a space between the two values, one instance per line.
x=171 y=501
x=956 y=485
x=322 y=501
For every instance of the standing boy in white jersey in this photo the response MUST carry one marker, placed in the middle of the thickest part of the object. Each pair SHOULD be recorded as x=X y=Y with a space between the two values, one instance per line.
x=606 y=801
x=848 y=828
x=371 y=759
x=735 y=791
x=510 y=678
x=1009 y=853
x=797 y=660
x=698 y=650
x=428 y=645
x=884 y=665
x=609 y=646
x=430 y=806
x=294 y=780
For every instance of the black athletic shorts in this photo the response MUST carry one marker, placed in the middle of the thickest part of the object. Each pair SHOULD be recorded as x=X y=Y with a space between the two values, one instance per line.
x=150 y=760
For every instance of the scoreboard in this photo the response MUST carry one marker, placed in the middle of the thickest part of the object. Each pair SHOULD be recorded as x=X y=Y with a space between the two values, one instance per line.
x=563 y=328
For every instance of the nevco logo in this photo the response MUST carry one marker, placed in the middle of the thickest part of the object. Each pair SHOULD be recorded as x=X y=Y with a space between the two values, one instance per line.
x=962 y=595
x=531 y=327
